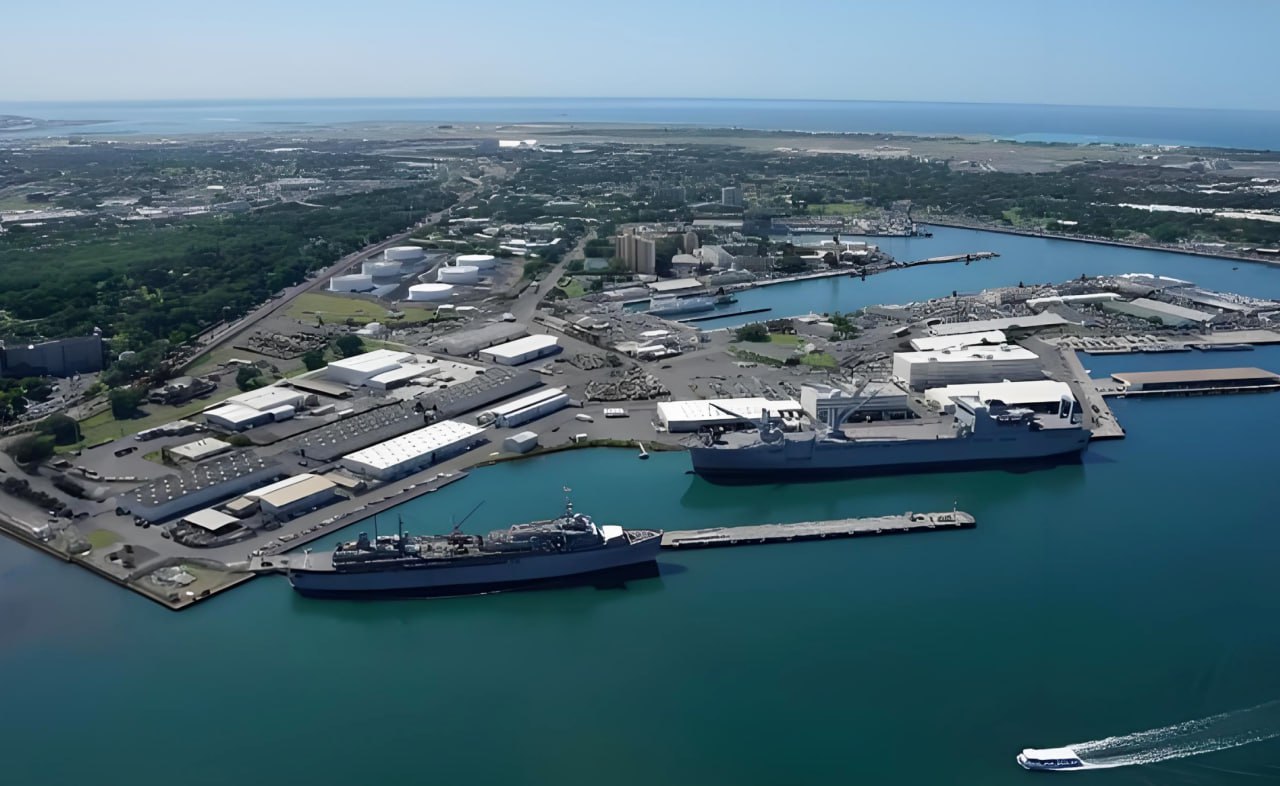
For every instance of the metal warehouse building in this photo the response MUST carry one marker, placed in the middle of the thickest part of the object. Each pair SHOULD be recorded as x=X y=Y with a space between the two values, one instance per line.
x=522 y=350
x=172 y=495
x=527 y=408
x=678 y=416
x=1042 y=395
x=414 y=451
x=922 y=370
x=298 y=494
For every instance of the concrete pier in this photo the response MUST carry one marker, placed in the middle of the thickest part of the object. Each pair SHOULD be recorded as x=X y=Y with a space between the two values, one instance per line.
x=717 y=537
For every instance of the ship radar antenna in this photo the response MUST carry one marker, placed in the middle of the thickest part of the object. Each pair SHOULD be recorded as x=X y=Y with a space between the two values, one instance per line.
x=568 y=501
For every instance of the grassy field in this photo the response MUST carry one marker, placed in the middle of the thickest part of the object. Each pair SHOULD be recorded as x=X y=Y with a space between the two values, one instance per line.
x=571 y=287
x=101 y=538
x=104 y=426
x=819 y=360
x=336 y=308
x=785 y=339
x=839 y=209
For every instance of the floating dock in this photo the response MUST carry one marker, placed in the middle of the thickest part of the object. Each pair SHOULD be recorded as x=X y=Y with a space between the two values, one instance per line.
x=724 y=315
x=1190 y=382
x=718 y=537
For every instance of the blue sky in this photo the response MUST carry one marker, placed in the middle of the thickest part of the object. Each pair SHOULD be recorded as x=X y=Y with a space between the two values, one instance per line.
x=1212 y=54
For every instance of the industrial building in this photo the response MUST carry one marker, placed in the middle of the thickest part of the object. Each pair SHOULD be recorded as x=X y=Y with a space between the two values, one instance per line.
x=414 y=451
x=1031 y=322
x=468 y=342
x=939 y=343
x=212 y=521
x=352 y=282
x=201 y=449
x=1196 y=379
x=255 y=408
x=1085 y=299
x=522 y=350
x=1041 y=395
x=292 y=496
x=404 y=253
x=523 y=442
x=922 y=370
x=172 y=495
x=458 y=274
x=835 y=405
x=692 y=415
x=60 y=358
x=526 y=408
x=1166 y=314
x=430 y=292
x=478 y=261
x=359 y=369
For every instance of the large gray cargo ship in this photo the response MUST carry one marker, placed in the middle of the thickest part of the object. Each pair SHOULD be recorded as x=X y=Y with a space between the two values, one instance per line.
x=977 y=435
x=570 y=549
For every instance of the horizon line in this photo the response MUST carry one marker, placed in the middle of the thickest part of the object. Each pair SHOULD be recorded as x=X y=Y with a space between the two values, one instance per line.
x=88 y=101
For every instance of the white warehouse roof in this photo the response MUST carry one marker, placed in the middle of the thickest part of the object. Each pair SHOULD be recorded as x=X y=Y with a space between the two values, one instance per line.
x=675 y=285
x=693 y=414
x=369 y=364
x=210 y=519
x=1037 y=391
x=201 y=448
x=967 y=355
x=935 y=343
x=268 y=398
x=233 y=415
x=409 y=447
x=521 y=347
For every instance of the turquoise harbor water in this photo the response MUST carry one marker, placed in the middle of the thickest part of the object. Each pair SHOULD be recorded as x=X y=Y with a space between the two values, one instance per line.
x=1133 y=591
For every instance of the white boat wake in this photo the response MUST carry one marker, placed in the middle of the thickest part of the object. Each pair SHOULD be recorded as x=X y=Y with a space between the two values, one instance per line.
x=1191 y=738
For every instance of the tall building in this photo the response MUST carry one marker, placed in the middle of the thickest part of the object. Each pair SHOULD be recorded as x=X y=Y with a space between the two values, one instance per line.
x=677 y=194
x=689 y=243
x=731 y=196
x=639 y=253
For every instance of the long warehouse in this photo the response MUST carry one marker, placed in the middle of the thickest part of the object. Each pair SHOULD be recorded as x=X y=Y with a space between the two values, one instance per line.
x=527 y=408
x=413 y=451
x=680 y=416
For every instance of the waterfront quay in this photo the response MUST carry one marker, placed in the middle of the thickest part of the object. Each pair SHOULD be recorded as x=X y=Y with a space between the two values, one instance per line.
x=762 y=534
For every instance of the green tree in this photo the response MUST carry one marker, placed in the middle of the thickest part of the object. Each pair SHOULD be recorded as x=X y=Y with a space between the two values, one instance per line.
x=64 y=430
x=754 y=332
x=248 y=377
x=313 y=359
x=124 y=402
x=349 y=345
x=31 y=448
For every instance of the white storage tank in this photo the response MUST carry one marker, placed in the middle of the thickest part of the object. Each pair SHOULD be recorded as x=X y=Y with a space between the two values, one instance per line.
x=459 y=274
x=402 y=254
x=355 y=282
x=433 y=292
x=380 y=268
x=479 y=261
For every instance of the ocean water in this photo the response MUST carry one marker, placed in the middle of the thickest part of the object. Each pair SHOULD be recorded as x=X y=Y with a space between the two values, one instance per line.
x=1133 y=591
x=1022 y=122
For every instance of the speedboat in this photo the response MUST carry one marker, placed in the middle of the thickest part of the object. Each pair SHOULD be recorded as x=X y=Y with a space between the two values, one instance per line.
x=1050 y=759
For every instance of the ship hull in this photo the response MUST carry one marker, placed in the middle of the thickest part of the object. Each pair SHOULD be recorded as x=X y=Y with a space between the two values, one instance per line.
x=804 y=461
x=603 y=566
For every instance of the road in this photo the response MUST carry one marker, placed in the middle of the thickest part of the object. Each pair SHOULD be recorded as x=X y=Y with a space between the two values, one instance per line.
x=220 y=337
x=527 y=303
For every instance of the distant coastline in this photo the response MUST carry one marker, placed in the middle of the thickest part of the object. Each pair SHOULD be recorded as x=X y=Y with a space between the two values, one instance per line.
x=1226 y=129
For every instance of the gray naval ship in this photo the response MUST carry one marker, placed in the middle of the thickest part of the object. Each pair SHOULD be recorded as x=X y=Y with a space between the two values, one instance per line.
x=977 y=435
x=570 y=549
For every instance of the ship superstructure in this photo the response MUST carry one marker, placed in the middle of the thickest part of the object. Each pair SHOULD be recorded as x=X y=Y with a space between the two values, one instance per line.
x=570 y=547
x=976 y=435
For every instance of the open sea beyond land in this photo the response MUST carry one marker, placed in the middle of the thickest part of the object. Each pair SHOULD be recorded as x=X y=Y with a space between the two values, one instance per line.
x=1130 y=592
x=1248 y=129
